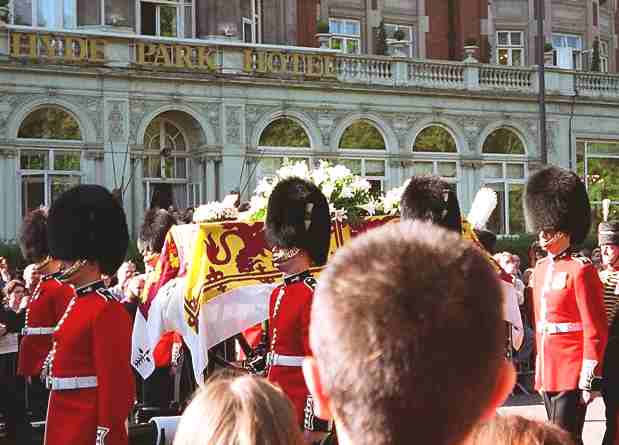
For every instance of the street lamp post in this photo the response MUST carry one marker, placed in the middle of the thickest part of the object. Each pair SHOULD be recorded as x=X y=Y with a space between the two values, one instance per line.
x=542 y=82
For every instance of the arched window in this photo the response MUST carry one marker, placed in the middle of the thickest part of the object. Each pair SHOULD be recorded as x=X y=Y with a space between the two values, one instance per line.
x=47 y=172
x=435 y=152
x=363 y=150
x=283 y=139
x=505 y=170
x=167 y=165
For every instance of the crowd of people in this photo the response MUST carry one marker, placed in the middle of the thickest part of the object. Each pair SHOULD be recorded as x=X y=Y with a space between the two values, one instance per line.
x=400 y=339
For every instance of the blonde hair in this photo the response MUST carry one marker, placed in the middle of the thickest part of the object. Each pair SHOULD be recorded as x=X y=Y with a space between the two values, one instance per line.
x=517 y=430
x=239 y=410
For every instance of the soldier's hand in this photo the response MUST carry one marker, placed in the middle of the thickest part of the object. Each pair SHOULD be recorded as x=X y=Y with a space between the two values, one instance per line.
x=586 y=397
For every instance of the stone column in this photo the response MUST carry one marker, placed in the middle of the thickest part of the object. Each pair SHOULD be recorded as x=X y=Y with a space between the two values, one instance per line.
x=233 y=154
x=10 y=208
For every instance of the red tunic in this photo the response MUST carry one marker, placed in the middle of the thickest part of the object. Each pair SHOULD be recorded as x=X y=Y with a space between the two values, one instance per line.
x=93 y=338
x=289 y=318
x=46 y=306
x=571 y=327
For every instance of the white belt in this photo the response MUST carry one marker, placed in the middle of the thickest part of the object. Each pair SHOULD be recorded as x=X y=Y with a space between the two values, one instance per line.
x=37 y=331
x=559 y=328
x=285 y=360
x=65 y=383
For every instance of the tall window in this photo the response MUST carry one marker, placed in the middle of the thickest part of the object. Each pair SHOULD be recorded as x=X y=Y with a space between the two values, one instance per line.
x=67 y=14
x=166 y=166
x=603 y=56
x=597 y=162
x=391 y=28
x=346 y=35
x=435 y=153
x=510 y=48
x=47 y=172
x=505 y=170
x=363 y=151
x=167 y=18
x=252 y=23
x=567 y=51
x=283 y=139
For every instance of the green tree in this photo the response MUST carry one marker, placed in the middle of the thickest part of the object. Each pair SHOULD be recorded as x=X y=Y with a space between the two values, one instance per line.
x=362 y=135
x=435 y=139
x=503 y=141
x=284 y=132
x=50 y=123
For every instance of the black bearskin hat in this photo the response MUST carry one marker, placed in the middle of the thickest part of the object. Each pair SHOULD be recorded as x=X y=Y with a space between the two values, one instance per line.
x=487 y=239
x=87 y=223
x=608 y=232
x=157 y=223
x=298 y=216
x=430 y=198
x=33 y=236
x=556 y=199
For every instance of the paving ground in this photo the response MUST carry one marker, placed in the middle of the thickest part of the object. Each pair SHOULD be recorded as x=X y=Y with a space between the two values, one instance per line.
x=532 y=407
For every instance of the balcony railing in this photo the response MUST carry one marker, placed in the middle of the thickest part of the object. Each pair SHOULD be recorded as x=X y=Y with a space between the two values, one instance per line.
x=225 y=58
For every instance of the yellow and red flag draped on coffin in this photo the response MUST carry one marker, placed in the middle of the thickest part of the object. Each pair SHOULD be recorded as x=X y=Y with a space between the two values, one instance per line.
x=230 y=255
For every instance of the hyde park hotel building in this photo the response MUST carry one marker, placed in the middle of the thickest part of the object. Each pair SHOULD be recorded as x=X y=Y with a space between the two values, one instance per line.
x=178 y=102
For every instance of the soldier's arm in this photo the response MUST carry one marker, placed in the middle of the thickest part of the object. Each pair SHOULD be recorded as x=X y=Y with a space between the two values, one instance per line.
x=115 y=382
x=590 y=301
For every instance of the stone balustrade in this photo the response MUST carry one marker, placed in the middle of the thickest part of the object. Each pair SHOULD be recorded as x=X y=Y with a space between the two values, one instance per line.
x=223 y=57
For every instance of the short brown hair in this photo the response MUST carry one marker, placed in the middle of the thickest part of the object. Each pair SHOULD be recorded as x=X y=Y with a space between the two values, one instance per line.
x=517 y=430
x=243 y=410
x=407 y=334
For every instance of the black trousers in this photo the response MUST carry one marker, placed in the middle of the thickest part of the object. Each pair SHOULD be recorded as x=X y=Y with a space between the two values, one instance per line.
x=611 y=401
x=566 y=410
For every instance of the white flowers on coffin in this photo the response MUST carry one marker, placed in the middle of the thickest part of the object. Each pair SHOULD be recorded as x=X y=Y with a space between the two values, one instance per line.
x=214 y=211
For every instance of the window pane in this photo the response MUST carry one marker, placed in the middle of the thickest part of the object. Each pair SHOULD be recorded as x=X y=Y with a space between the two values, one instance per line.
x=603 y=179
x=335 y=26
x=284 y=132
x=181 y=168
x=66 y=161
x=167 y=20
x=336 y=44
x=354 y=165
x=516 y=57
x=515 y=171
x=352 y=46
x=34 y=160
x=503 y=57
x=516 y=38
x=362 y=135
x=168 y=168
x=268 y=166
x=580 y=159
x=152 y=167
x=435 y=139
x=148 y=18
x=375 y=168
x=32 y=192
x=503 y=141
x=503 y=38
x=70 y=14
x=188 y=22
x=89 y=13
x=119 y=12
x=603 y=148
x=493 y=171
x=447 y=169
x=22 y=11
x=423 y=168
x=352 y=28
x=47 y=15
x=516 y=214
x=496 y=223
x=49 y=123
x=61 y=184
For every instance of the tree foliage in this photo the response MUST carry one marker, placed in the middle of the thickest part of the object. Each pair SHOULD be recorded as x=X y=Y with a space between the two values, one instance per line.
x=435 y=139
x=362 y=135
x=503 y=141
x=284 y=132
x=50 y=123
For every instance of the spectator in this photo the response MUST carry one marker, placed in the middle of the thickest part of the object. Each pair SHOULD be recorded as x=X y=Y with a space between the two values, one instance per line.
x=32 y=277
x=124 y=274
x=596 y=258
x=510 y=263
x=408 y=338
x=12 y=391
x=5 y=276
x=517 y=430
x=243 y=410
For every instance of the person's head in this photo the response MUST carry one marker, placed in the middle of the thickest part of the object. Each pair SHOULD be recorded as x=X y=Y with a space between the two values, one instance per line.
x=535 y=253
x=87 y=230
x=516 y=262
x=125 y=272
x=243 y=410
x=518 y=430
x=608 y=238
x=557 y=208
x=508 y=262
x=32 y=276
x=393 y=319
x=14 y=293
x=298 y=225
x=430 y=198
x=4 y=264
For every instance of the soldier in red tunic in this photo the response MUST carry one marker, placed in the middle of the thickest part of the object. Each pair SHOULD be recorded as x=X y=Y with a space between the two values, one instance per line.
x=571 y=328
x=88 y=371
x=45 y=307
x=298 y=229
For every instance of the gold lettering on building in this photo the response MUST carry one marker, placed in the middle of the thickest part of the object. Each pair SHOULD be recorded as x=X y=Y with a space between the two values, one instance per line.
x=287 y=63
x=57 y=47
x=176 y=56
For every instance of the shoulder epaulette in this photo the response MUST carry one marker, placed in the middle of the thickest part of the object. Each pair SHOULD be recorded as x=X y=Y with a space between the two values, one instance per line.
x=310 y=282
x=582 y=259
x=105 y=294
